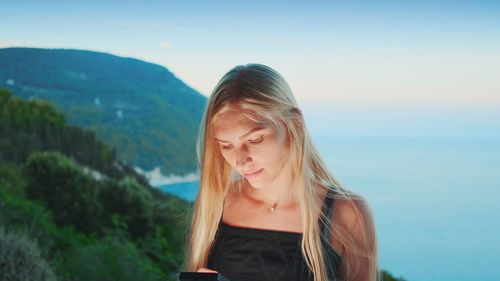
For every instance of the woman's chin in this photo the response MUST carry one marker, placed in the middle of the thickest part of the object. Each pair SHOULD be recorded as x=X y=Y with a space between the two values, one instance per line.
x=256 y=183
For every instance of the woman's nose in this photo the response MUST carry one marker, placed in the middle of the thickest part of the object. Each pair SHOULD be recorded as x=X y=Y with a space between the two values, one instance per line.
x=242 y=157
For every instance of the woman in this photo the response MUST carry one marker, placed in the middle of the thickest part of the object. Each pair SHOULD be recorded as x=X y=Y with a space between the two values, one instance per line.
x=268 y=208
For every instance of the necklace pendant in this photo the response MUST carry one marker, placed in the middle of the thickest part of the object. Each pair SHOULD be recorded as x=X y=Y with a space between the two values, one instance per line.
x=273 y=208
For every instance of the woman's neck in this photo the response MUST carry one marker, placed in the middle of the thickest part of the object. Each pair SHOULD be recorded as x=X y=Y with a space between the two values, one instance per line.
x=280 y=192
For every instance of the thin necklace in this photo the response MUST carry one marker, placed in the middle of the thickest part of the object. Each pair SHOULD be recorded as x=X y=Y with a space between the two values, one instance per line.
x=273 y=208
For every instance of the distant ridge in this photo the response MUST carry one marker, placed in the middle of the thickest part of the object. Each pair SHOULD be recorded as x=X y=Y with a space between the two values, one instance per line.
x=150 y=116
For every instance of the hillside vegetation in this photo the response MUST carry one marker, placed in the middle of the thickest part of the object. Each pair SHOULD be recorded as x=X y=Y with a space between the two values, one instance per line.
x=71 y=210
x=141 y=109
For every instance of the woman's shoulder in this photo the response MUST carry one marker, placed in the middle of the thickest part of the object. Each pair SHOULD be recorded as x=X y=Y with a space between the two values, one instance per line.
x=349 y=210
x=355 y=216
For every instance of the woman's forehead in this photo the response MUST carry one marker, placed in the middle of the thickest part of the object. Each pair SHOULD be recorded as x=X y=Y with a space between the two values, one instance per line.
x=231 y=108
x=233 y=112
x=232 y=120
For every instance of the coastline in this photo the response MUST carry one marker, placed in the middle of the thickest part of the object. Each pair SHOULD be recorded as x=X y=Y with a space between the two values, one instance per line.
x=156 y=178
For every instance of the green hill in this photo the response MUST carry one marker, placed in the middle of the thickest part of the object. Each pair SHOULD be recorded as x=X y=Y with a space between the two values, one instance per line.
x=71 y=209
x=141 y=109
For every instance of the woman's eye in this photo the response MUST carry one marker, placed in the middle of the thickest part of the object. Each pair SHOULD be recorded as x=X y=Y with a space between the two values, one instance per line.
x=226 y=146
x=229 y=146
x=257 y=140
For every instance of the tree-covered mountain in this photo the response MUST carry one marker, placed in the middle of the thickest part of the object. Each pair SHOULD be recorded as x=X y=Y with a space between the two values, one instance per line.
x=141 y=109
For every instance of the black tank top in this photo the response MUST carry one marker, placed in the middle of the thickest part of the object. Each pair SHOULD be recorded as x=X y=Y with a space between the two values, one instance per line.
x=250 y=254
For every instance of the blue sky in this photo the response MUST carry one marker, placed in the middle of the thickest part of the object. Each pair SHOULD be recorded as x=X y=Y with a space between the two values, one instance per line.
x=420 y=68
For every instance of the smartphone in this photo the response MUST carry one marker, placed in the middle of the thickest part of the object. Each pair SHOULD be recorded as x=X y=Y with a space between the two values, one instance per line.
x=201 y=276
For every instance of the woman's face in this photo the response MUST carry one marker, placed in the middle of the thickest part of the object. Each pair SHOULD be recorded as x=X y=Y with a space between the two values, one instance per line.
x=256 y=151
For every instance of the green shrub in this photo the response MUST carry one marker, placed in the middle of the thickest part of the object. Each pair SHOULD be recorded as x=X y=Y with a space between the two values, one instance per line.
x=165 y=249
x=131 y=201
x=11 y=176
x=21 y=260
x=69 y=192
x=386 y=276
x=109 y=259
x=18 y=213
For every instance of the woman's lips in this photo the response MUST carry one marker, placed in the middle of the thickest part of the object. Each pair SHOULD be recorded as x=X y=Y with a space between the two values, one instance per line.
x=254 y=174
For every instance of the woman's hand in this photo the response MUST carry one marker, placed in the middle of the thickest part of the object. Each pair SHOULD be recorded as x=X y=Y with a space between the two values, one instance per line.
x=206 y=270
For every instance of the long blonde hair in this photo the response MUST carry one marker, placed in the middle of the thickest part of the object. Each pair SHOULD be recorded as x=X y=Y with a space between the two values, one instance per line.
x=264 y=92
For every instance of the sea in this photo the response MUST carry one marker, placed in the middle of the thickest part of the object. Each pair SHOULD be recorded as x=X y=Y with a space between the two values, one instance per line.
x=436 y=202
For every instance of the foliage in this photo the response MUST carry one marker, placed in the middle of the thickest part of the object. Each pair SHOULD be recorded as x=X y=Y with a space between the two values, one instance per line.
x=68 y=191
x=130 y=200
x=24 y=130
x=386 y=276
x=22 y=215
x=109 y=259
x=21 y=260
x=163 y=248
x=12 y=178
x=103 y=213
x=159 y=253
x=20 y=111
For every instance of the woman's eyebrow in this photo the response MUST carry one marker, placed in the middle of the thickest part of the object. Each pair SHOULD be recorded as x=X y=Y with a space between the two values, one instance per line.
x=256 y=129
